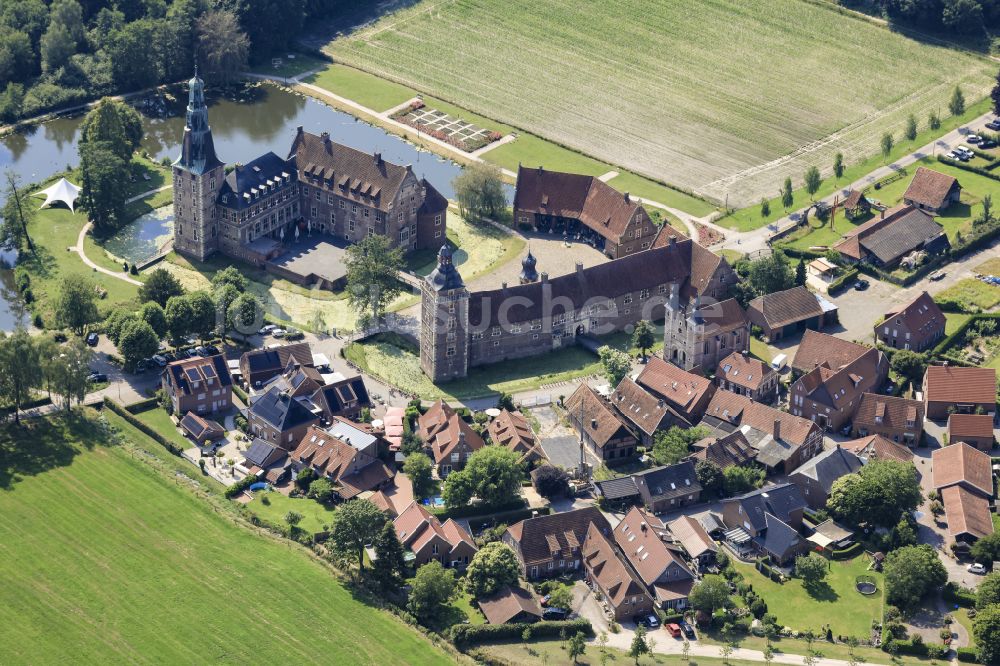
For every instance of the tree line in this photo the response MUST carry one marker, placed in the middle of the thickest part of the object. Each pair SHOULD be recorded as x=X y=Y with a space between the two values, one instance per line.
x=32 y=363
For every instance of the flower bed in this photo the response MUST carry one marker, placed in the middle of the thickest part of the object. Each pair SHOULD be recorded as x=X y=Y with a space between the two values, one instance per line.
x=444 y=127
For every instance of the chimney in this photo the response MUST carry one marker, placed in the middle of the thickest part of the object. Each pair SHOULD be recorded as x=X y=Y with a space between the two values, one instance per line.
x=673 y=239
x=579 y=268
x=378 y=158
x=299 y=130
x=593 y=424
x=881 y=215
x=746 y=354
x=540 y=168
x=544 y=277
x=660 y=404
x=777 y=430
x=326 y=137
x=626 y=198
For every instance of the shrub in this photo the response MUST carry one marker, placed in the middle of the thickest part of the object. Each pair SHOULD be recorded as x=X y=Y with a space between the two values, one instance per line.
x=957 y=595
x=241 y=485
x=139 y=425
x=967 y=655
x=464 y=635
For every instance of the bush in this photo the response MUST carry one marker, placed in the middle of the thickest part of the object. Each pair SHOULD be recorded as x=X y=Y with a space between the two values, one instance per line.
x=843 y=282
x=241 y=394
x=464 y=635
x=139 y=425
x=143 y=405
x=846 y=553
x=957 y=595
x=967 y=655
x=241 y=485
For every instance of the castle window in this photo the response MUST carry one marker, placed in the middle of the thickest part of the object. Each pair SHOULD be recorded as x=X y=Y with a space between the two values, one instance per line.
x=627 y=299
x=662 y=289
x=318 y=195
x=495 y=331
x=343 y=205
x=437 y=234
x=312 y=212
x=333 y=217
x=399 y=216
x=366 y=212
x=371 y=231
x=350 y=224
x=644 y=294
x=515 y=328
x=404 y=235
x=225 y=198
x=496 y=343
x=450 y=352
x=354 y=208
x=437 y=220
x=329 y=199
x=212 y=184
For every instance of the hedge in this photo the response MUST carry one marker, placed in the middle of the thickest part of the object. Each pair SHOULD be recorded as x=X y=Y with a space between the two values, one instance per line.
x=241 y=485
x=28 y=404
x=959 y=332
x=986 y=173
x=956 y=595
x=915 y=648
x=846 y=553
x=471 y=634
x=139 y=425
x=142 y=406
x=508 y=517
x=241 y=394
x=968 y=655
x=479 y=510
x=842 y=282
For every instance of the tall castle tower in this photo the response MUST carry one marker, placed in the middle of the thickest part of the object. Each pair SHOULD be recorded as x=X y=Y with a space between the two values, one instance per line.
x=198 y=175
x=444 y=322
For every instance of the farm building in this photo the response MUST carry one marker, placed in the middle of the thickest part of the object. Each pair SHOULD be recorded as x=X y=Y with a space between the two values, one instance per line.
x=932 y=191
x=895 y=233
x=788 y=312
x=856 y=205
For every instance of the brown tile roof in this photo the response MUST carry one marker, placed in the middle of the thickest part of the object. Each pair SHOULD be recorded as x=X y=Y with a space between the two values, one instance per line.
x=640 y=407
x=512 y=430
x=565 y=530
x=733 y=449
x=841 y=387
x=692 y=536
x=595 y=203
x=741 y=410
x=508 y=603
x=961 y=463
x=721 y=316
x=894 y=412
x=817 y=349
x=969 y=425
x=608 y=570
x=682 y=389
x=379 y=499
x=600 y=422
x=352 y=173
x=183 y=375
x=786 y=307
x=351 y=470
x=891 y=235
x=966 y=512
x=441 y=429
x=415 y=527
x=929 y=187
x=744 y=370
x=640 y=537
x=853 y=199
x=877 y=447
x=920 y=316
x=949 y=383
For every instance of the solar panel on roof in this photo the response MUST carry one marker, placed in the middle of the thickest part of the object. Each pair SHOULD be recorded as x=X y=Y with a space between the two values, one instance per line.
x=192 y=374
x=208 y=371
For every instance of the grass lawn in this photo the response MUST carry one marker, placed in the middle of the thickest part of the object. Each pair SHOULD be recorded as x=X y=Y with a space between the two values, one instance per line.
x=989 y=267
x=292 y=67
x=961 y=615
x=762 y=350
x=469 y=608
x=537 y=652
x=108 y=557
x=836 y=603
x=314 y=515
x=799 y=646
x=158 y=419
x=972 y=291
x=371 y=91
x=953 y=320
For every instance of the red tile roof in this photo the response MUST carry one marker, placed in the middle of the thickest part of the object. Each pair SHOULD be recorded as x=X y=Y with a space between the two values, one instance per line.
x=682 y=389
x=741 y=410
x=886 y=411
x=744 y=370
x=692 y=536
x=592 y=413
x=640 y=537
x=920 y=316
x=929 y=188
x=508 y=603
x=966 y=512
x=608 y=570
x=961 y=463
x=351 y=470
x=640 y=407
x=512 y=430
x=817 y=349
x=969 y=425
x=877 y=447
x=953 y=384
x=786 y=307
x=441 y=429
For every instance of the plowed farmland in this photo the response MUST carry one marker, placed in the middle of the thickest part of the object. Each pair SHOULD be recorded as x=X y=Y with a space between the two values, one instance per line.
x=717 y=96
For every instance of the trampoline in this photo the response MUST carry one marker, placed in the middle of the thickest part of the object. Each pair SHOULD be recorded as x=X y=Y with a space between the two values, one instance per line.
x=866 y=585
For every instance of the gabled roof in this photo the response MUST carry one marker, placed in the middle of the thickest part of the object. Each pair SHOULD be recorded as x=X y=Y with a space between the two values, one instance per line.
x=886 y=411
x=265 y=175
x=920 y=316
x=622 y=487
x=781 y=501
x=608 y=570
x=508 y=603
x=966 y=512
x=593 y=415
x=566 y=530
x=877 y=447
x=779 y=538
x=950 y=383
x=786 y=307
x=658 y=483
x=929 y=187
x=640 y=537
x=726 y=451
x=296 y=380
x=744 y=370
x=327 y=455
x=829 y=466
x=281 y=411
x=183 y=374
x=969 y=425
x=682 y=389
x=276 y=359
x=339 y=397
x=264 y=454
x=961 y=463
x=891 y=235
x=642 y=409
x=854 y=199
x=738 y=410
x=512 y=430
x=817 y=349
x=839 y=388
x=692 y=536
x=199 y=427
x=442 y=429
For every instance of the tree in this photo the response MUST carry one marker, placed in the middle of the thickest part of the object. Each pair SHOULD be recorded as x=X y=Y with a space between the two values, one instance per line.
x=372 y=277
x=673 y=445
x=505 y=401
x=244 y=313
x=986 y=215
x=912 y=572
x=956 y=105
x=203 y=317
x=458 y=489
x=232 y=276
x=17 y=215
x=987 y=549
x=709 y=477
x=493 y=474
x=986 y=629
x=765 y=207
x=418 y=470
x=768 y=654
x=550 y=481
x=710 y=594
x=738 y=479
x=19 y=365
x=811 y=568
x=616 y=364
x=561 y=597
x=988 y=592
x=838 y=165
x=787 y=197
x=770 y=274
x=115 y=124
x=293 y=518
x=355 y=525
x=494 y=566
x=812 y=180
x=887 y=144
x=800 y=273
x=223 y=49
x=911 y=128
x=642 y=337
x=909 y=364
x=933 y=120
x=137 y=341
x=179 y=316
x=159 y=287
x=880 y=493
x=639 y=646
x=479 y=191
x=576 y=646
x=66 y=370
x=77 y=303
x=62 y=36
x=389 y=565
x=153 y=314
x=321 y=490
x=432 y=587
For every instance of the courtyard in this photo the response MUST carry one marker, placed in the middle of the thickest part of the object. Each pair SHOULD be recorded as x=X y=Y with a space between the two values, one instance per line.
x=316 y=259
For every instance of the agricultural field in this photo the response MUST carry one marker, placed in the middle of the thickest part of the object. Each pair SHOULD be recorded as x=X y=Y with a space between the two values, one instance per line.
x=109 y=557
x=723 y=98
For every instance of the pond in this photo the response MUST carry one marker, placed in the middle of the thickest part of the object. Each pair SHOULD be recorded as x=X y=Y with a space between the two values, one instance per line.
x=144 y=237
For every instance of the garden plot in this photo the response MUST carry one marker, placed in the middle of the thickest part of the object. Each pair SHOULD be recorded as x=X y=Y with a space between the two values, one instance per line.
x=459 y=133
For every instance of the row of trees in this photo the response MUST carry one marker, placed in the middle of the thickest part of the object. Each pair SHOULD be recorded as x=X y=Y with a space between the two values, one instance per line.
x=40 y=363
x=961 y=17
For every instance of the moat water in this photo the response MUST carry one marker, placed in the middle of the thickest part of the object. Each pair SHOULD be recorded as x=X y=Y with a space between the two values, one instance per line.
x=264 y=118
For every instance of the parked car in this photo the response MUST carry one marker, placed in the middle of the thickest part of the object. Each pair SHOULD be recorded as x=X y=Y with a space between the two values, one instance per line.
x=192 y=353
x=935 y=276
x=648 y=620
x=688 y=630
x=952 y=155
x=294 y=335
x=986 y=144
x=278 y=332
x=544 y=601
x=973 y=139
x=993 y=125
x=212 y=350
x=861 y=285
x=159 y=360
x=554 y=614
x=92 y=339
x=674 y=629
x=266 y=330
x=97 y=377
x=977 y=568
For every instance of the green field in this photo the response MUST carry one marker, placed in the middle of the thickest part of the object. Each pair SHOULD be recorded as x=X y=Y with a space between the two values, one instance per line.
x=158 y=419
x=973 y=292
x=751 y=91
x=108 y=557
x=315 y=516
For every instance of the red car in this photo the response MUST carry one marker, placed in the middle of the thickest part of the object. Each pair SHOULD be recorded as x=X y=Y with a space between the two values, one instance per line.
x=674 y=629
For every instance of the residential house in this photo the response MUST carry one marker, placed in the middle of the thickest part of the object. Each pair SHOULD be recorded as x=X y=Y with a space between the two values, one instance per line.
x=973 y=429
x=359 y=435
x=916 y=326
x=932 y=191
x=816 y=476
x=599 y=426
x=619 y=586
x=201 y=385
x=276 y=417
x=949 y=388
x=258 y=366
x=816 y=349
x=351 y=471
x=767 y=521
x=730 y=450
x=783 y=441
x=512 y=430
x=885 y=240
x=877 y=447
x=963 y=476
x=202 y=430
x=686 y=393
x=266 y=461
x=856 y=205
x=550 y=545
x=394 y=498
x=829 y=396
x=968 y=514
x=296 y=380
x=668 y=487
x=447 y=438
x=644 y=412
x=346 y=397
x=695 y=540
x=898 y=419
x=749 y=376
x=643 y=539
x=510 y=605
x=431 y=540
x=785 y=313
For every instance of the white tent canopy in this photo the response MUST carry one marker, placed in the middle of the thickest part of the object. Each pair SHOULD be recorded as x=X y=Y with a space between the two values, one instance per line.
x=63 y=191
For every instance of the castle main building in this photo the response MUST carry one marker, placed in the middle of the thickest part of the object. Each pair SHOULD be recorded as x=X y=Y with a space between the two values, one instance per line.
x=256 y=212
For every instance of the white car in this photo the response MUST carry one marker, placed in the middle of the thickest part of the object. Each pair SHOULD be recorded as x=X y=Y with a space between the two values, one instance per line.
x=278 y=332
x=973 y=138
x=977 y=568
x=267 y=329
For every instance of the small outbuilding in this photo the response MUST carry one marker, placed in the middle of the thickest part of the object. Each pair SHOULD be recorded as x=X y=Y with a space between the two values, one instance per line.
x=511 y=605
x=201 y=430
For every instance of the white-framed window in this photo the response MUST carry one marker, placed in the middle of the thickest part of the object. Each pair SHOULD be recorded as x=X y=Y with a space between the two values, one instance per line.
x=437 y=220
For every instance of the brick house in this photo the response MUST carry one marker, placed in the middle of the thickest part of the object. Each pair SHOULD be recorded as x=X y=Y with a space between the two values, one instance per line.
x=447 y=438
x=431 y=540
x=512 y=430
x=771 y=517
x=552 y=544
x=199 y=385
x=749 y=376
x=643 y=540
x=973 y=429
x=816 y=349
x=963 y=476
x=732 y=450
x=598 y=424
x=686 y=393
x=697 y=543
x=949 y=388
x=898 y=419
x=258 y=366
x=932 y=191
x=280 y=419
x=916 y=326
x=644 y=412
x=346 y=397
x=885 y=240
x=815 y=477
x=350 y=470
x=619 y=586
x=785 y=313
x=829 y=396
x=669 y=487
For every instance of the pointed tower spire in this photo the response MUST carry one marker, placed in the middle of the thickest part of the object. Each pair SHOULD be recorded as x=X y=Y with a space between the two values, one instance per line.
x=198 y=148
